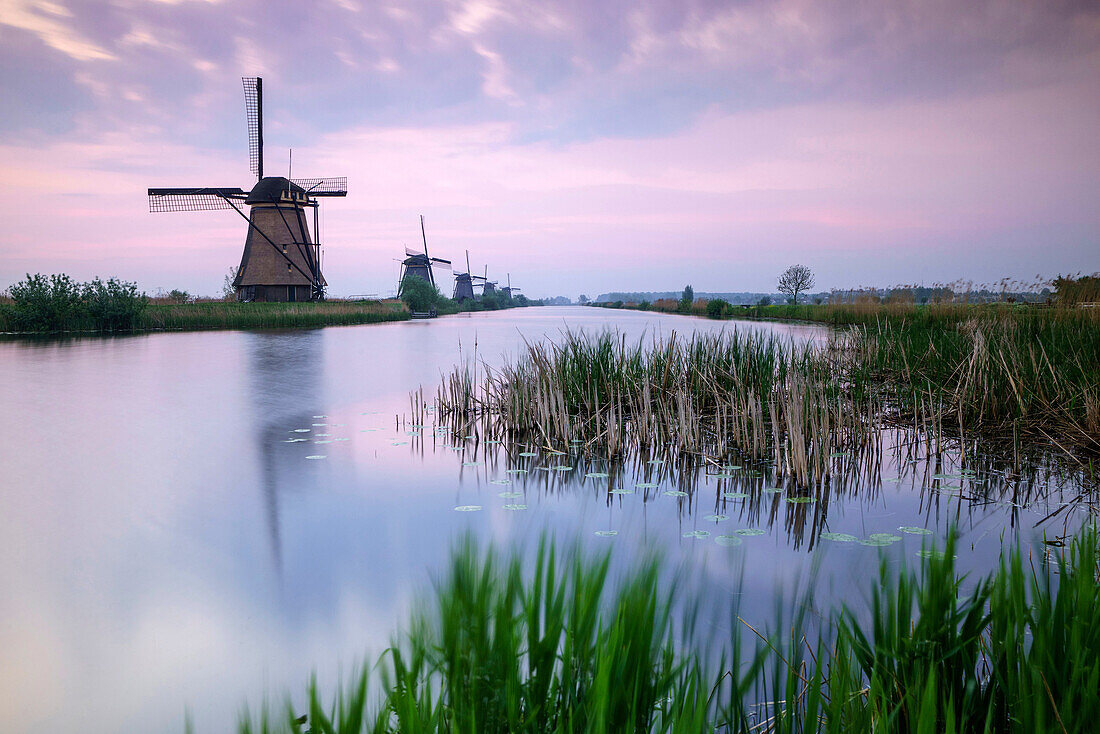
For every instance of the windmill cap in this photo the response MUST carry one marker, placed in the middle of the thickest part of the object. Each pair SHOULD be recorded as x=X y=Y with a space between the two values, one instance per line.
x=272 y=189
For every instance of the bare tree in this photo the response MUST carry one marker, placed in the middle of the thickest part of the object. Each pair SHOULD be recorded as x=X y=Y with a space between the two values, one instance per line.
x=794 y=280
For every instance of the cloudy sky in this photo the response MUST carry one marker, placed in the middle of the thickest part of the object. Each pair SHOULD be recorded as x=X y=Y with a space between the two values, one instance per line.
x=582 y=146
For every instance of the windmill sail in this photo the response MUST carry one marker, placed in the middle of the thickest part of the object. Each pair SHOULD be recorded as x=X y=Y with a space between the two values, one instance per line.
x=323 y=186
x=193 y=200
x=254 y=112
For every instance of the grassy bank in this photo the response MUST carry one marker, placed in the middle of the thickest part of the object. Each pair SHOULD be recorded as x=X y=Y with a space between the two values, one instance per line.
x=563 y=647
x=233 y=315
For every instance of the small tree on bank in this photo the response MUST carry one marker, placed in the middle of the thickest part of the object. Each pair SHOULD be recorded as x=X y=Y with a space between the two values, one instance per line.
x=687 y=298
x=418 y=294
x=795 y=280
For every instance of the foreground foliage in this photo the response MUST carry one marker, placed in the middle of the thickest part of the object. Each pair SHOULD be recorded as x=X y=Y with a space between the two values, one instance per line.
x=563 y=647
x=58 y=303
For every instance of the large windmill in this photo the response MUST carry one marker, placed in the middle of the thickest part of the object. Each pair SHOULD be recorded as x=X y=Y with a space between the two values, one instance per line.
x=281 y=262
x=419 y=264
x=464 y=283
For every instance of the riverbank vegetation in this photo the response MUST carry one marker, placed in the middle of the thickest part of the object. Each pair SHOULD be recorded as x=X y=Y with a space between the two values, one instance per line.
x=564 y=646
x=422 y=297
x=233 y=315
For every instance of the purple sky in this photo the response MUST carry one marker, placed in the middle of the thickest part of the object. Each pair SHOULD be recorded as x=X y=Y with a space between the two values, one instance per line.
x=582 y=146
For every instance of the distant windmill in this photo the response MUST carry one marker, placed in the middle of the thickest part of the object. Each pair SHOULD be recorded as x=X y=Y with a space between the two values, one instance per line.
x=510 y=290
x=419 y=264
x=464 y=283
x=487 y=286
x=280 y=261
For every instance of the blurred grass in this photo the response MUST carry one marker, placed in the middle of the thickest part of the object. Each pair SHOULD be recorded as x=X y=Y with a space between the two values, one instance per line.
x=234 y=315
x=560 y=646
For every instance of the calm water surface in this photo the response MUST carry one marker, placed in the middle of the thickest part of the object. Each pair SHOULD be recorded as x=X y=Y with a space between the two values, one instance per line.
x=166 y=543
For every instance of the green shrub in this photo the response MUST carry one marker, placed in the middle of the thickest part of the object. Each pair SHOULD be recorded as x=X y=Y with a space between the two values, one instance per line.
x=113 y=305
x=716 y=308
x=419 y=295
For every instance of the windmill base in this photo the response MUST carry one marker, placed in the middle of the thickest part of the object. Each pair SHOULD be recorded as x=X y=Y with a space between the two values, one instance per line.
x=273 y=293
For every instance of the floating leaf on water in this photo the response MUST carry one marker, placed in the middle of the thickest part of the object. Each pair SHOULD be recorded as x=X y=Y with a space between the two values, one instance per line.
x=885 y=536
x=717 y=518
x=735 y=495
x=317 y=456
x=838 y=455
x=302 y=430
x=656 y=462
x=597 y=475
x=493 y=441
x=731 y=467
x=728 y=540
x=646 y=485
x=528 y=453
x=675 y=493
x=400 y=443
x=561 y=467
x=607 y=533
x=514 y=507
x=295 y=440
x=838 y=537
x=322 y=434
x=697 y=534
x=935 y=554
x=468 y=508
x=325 y=416
x=723 y=476
x=771 y=490
x=622 y=491
x=500 y=481
x=946 y=476
x=471 y=463
x=457 y=448
x=914 y=530
x=324 y=440
x=341 y=439
x=417 y=426
x=800 y=500
x=515 y=471
x=510 y=495
x=319 y=424
x=749 y=531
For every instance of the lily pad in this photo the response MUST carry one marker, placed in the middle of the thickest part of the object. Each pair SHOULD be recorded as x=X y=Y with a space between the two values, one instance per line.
x=302 y=430
x=723 y=476
x=717 y=518
x=728 y=540
x=324 y=440
x=838 y=455
x=748 y=531
x=838 y=537
x=322 y=434
x=675 y=493
x=622 y=491
x=515 y=471
x=607 y=533
x=500 y=481
x=471 y=463
x=468 y=508
x=400 y=443
x=914 y=530
x=514 y=507
x=528 y=453
x=510 y=495
x=317 y=456
x=597 y=475
x=800 y=500
x=295 y=440
x=561 y=467
x=656 y=462
x=697 y=534
x=646 y=485
x=934 y=554
x=771 y=490
x=319 y=424
x=735 y=495
x=325 y=416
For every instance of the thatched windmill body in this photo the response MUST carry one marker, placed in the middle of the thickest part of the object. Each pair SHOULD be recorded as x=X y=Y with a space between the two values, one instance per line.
x=281 y=261
x=487 y=286
x=420 y=264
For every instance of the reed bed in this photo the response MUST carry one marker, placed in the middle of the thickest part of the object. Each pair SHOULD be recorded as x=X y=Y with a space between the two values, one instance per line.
x=710 y=396
x=561 y=646
x=1015 y=381
x=233 y=315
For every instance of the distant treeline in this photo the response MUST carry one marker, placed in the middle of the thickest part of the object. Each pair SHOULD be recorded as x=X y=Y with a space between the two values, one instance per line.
x=652 y=296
